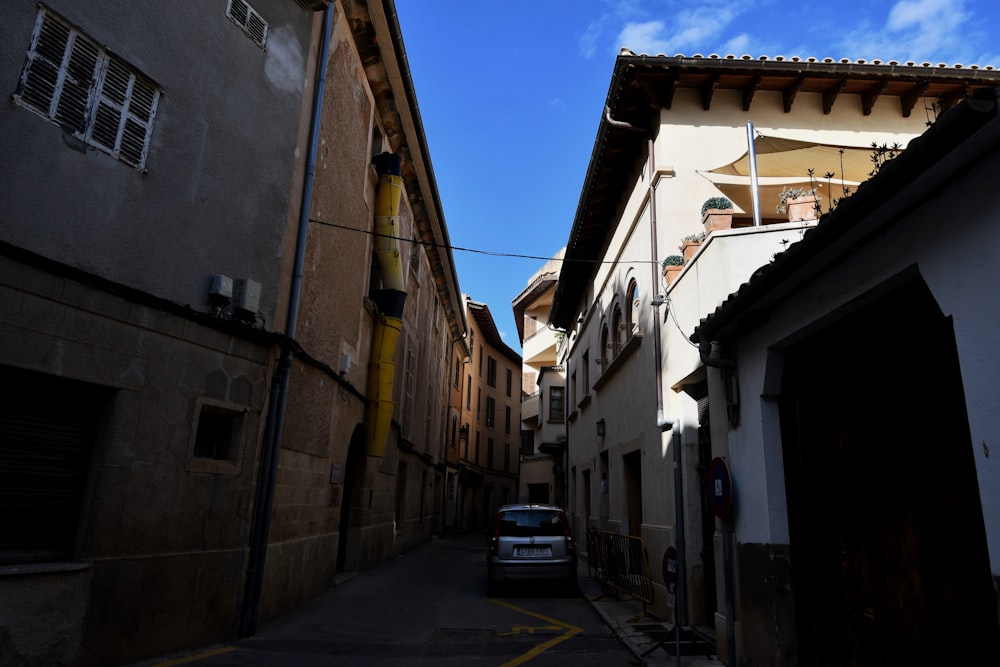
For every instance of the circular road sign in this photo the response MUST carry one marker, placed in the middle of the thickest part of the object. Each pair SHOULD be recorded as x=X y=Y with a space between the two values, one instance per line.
x=720 y=488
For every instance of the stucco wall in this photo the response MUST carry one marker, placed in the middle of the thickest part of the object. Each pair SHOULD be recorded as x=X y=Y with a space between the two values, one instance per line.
x=216 y=190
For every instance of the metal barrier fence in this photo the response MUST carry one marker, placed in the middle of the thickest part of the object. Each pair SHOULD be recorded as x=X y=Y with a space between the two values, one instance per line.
x=621 y=562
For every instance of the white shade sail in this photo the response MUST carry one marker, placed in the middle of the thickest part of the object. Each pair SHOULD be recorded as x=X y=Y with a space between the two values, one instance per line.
x=787 y=162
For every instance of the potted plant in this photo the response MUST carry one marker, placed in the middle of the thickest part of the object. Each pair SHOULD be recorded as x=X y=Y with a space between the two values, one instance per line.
x=717 y=213
x=672 y=265
x=799 y=203
x=690 y=244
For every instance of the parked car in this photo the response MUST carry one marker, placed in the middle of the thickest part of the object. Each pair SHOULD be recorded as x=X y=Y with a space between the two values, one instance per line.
x=530 y=543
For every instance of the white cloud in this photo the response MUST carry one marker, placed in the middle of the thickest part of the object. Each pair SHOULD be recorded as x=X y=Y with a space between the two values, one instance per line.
x=919 y=30
x=689 y=30
x=644 y=37
x=737 y=45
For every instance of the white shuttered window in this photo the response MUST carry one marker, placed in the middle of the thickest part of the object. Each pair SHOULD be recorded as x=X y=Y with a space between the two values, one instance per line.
x=92 y=94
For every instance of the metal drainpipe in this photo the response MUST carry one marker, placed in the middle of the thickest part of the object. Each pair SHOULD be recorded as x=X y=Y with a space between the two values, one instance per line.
x=661 y=421
x=656 y=286
x=279 y=385
x=653 y=252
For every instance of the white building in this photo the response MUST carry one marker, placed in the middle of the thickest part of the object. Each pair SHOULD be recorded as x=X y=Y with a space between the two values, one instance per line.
x=674 y=133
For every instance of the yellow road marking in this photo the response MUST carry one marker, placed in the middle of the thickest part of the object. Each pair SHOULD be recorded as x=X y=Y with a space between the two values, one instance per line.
x=196 y=656
x=571 y=631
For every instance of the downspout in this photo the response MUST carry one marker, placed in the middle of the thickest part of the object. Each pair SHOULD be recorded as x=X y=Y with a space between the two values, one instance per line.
x=279 y=385
x=711 y=355
x=389 y=300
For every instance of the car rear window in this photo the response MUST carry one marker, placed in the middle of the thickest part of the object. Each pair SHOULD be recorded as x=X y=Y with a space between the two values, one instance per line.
x=527 y=523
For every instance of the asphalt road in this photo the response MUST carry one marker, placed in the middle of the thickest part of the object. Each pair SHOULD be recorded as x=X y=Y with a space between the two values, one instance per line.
x=428 y=607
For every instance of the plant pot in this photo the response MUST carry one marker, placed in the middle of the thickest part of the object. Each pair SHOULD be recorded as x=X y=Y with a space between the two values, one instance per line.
x=803 y=208
x=717 y=218
x=689 y=249
x=670 y=272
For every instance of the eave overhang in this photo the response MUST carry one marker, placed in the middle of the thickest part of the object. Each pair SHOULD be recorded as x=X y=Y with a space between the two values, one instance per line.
x=379 y=40
x=642 y=85
x=938 y=156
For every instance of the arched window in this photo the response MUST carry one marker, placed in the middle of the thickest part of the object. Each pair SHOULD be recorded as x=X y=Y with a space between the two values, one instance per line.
x=618 y=331
x=605 y=348
x=632 y=295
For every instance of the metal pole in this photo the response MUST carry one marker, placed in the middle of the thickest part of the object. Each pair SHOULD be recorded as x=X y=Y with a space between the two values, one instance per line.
x=679 y=526
x=727 y=566
x=754 y=186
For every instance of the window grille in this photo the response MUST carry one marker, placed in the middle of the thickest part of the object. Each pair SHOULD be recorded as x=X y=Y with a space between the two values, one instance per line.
x=94 y=95
x=246 y=17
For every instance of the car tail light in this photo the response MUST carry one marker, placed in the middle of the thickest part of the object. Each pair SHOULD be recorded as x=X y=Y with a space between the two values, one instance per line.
x=495 y=538
x=570 y=547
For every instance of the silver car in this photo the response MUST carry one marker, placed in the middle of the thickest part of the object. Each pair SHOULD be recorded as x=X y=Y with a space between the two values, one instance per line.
x=530 y=543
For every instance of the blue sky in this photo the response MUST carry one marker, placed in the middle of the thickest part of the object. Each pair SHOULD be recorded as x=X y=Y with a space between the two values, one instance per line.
x=511 y=94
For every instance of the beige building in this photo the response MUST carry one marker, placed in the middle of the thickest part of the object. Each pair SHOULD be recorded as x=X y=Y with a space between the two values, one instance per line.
x=642 y=435
x=487 y=454
x=543 y=387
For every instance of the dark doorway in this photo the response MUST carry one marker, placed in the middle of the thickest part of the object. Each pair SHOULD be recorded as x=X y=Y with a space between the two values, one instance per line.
x=709 y=601
x=349 y=544
x=888 y=547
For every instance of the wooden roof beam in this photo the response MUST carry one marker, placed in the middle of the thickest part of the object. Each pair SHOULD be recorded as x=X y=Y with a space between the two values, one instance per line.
x=659 y=89
x=790 y=91
x=750 y=90
x=708 y=90
x=831 y=94
x=908 y=100
x=870 y=96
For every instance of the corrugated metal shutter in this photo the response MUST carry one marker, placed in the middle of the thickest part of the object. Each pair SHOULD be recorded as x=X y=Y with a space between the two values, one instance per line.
x=47 y=430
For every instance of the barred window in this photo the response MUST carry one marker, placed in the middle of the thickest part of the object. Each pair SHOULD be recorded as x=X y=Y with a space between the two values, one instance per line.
x=94 y=95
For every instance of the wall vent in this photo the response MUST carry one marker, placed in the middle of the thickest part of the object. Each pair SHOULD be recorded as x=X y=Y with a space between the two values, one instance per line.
x=246 y=17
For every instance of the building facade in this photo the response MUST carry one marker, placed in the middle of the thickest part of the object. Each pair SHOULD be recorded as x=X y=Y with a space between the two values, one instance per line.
x=487 y=444
x=543 y=387
x=676 y=136
x=192 y=365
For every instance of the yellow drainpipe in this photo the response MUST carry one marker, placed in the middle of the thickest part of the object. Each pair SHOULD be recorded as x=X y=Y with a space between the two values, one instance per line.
x=390 y=301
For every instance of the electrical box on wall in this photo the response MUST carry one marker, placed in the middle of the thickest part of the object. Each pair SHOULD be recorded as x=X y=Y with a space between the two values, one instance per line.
x=221 y=287
x=248 y=295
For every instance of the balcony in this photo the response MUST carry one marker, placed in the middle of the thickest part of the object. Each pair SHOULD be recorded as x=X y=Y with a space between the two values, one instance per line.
x=540 y=348
x=529 y=410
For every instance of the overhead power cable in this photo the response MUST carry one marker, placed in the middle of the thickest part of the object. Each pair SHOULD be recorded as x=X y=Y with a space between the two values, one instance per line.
x=491 y=253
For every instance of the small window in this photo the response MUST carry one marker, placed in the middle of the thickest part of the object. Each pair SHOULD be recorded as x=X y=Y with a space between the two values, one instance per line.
x=214 y=439
x=556 y=404
x=92 y=94
x=406 y=418
x=217 y=437
x=506 y=420
x=246 y=17
x=489 y=453
x=491 y=408
x=510 y=381
x=491 y=372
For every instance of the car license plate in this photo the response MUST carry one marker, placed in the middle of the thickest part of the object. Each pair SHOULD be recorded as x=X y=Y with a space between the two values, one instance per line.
x=532 y=552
